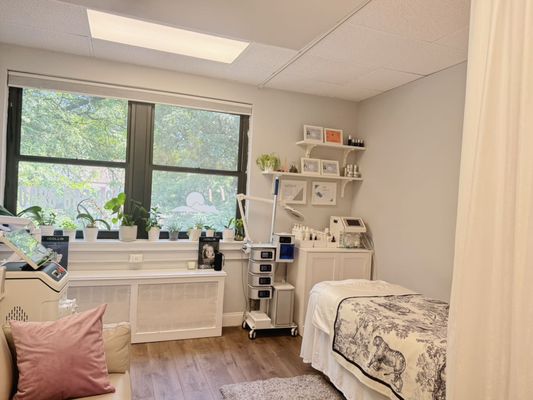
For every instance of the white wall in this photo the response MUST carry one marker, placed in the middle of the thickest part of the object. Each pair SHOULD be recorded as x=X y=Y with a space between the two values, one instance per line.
x=411 y=169
x=276 y=123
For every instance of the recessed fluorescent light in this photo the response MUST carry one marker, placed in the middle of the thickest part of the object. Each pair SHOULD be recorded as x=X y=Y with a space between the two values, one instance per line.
x=139 y=33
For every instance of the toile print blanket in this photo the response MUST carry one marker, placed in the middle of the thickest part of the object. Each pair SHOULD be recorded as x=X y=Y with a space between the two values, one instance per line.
x=394 y=344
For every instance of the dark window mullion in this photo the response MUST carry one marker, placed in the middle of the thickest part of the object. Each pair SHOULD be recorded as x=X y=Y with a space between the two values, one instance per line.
x=72 y=161
x=188 y=170
x=13 y=148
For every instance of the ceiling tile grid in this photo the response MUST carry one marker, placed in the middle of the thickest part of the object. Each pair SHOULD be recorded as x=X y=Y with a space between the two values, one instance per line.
x=383 y=45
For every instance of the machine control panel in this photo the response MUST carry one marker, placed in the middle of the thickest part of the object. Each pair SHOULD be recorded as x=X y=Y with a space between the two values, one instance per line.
x=53 y=270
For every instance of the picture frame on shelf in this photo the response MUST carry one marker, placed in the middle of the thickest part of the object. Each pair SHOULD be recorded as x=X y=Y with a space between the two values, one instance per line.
x=293 y=192
x=313 y=134
x=310 y=166
x=329 y=168
x=333 y=136
x=324 y=193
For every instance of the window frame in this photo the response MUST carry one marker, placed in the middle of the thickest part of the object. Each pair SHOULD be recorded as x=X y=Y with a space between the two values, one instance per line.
x=138 y=166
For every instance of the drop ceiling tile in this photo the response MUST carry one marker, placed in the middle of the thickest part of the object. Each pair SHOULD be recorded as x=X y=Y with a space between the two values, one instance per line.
x=457 y=40
x=256 y=63
x=45 y=14
x=44 y=39
x=352 y=44
x=415 y=19
x=385 y=79
x=324 y=70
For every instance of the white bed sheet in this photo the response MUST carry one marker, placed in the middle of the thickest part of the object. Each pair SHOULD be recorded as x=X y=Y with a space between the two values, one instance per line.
x=319 y=320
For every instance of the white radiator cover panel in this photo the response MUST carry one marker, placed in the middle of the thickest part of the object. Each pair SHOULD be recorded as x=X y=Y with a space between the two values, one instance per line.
x=117 y=298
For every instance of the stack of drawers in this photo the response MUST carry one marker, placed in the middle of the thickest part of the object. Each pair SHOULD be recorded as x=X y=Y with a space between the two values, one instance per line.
x=261 y=273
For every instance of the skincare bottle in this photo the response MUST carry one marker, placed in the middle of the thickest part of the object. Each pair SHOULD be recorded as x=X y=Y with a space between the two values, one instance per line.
x=350 y=140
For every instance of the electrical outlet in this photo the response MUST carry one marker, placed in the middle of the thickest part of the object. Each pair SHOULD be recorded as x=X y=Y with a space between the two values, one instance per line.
x=136 y=258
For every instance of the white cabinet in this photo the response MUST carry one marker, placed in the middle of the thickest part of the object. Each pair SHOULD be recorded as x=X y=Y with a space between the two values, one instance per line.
x=316 y=265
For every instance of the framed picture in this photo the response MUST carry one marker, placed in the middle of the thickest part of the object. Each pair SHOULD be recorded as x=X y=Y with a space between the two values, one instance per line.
x=310 y=166
x=313 y=134
x=207 y=248
x=333 y=136
x=324 y=193
x=329 y=167
x=293 y=192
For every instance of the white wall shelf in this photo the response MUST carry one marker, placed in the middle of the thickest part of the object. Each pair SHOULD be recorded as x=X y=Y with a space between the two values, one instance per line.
x=346 y=150
x=343 y=179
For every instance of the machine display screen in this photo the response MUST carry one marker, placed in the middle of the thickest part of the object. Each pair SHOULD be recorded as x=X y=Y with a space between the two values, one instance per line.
x=264 y=281
x=265 y=268
x=266 y=254
x=29 y=246
x=353 y=222
x=263 y=293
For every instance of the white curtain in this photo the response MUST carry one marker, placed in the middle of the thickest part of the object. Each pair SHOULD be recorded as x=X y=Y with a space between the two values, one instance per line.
x=490 y=347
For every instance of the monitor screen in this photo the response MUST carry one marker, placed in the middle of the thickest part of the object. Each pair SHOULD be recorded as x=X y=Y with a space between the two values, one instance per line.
x=29 y=246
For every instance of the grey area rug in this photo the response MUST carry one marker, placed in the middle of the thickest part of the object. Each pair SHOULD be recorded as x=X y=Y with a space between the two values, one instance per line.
x=305 y=387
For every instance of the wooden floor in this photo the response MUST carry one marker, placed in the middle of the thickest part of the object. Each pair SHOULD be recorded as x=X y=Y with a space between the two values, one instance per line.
x=196 y=368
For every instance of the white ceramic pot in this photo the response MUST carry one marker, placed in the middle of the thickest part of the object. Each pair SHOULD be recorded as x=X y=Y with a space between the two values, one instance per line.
x=90 y=234
x=228 y=235
x=194 y=234
x=127 y=233
x=153 y=234
x=71 y=233
x=210 y=233
x=47 y=230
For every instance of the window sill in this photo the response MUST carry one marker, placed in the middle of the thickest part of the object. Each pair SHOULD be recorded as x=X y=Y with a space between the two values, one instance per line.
x=144 y=245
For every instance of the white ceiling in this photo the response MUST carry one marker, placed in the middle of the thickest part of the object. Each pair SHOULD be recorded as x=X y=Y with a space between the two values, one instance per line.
x=349 y=49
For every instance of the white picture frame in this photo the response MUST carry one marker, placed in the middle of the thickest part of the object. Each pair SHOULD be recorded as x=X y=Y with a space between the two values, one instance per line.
x=293 y=192
x=324 y=193
x=329 y=168
x=311 y=166
x=313 y=134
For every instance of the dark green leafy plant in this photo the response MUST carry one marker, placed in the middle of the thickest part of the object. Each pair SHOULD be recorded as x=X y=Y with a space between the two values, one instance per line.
x=154 y=219
x=239 y=229
x=87 y=217
x=39 y=216
x=230 y=223
x=117 y=205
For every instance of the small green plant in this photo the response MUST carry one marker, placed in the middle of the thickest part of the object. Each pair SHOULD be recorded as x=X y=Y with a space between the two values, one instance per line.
x=39 y=216
x=230 y=223
x=87 y=217
x=68 y=224
x=268 y=162
x=117 y=204
x=208 y=228
x=239 y=229
x=154 y=219
x=173 y=225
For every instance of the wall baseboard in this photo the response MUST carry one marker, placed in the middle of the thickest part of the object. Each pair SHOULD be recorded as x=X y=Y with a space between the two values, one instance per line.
x=232 y=319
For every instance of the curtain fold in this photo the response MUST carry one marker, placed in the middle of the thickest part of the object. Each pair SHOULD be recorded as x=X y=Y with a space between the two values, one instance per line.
x=490 y=338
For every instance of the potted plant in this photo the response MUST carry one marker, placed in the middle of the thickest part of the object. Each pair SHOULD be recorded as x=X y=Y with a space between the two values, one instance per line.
x=209 y=231
x=45 y=220
x=173 y=227
x=90 y=223
x=69 y=228
x=239 y=229
x=195 y=232
x=153 y=224
x=268 y=162
x=128 y=227
x=228 y=234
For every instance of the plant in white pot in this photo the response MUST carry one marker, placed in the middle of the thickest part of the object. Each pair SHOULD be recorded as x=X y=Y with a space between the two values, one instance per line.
x=173 y=227
x=128 y=222
x=153 y=224
x=44 y=219
x=69 y=228
x=209 y=231
x=228 y=234
x=90 y=223
x=268 y=162
x=195 y=232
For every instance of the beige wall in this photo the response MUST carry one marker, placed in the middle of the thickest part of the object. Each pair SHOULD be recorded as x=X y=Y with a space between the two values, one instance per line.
x=276 y=124
x=411 y=169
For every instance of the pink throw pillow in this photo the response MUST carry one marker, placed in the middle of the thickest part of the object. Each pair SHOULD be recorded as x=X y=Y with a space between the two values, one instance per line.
x=61 y=359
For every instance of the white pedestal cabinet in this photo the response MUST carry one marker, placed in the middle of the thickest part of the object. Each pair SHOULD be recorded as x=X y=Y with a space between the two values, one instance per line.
x=316 y=265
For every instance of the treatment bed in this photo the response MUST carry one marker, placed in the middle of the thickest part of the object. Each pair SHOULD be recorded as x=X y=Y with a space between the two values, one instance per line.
x=376 y=341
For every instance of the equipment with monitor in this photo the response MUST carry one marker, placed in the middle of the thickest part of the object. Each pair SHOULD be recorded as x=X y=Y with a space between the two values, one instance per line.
x=347 y=230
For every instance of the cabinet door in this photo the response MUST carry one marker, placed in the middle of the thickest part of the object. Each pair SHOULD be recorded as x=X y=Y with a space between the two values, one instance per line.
x=321 y=268
x=354 y=266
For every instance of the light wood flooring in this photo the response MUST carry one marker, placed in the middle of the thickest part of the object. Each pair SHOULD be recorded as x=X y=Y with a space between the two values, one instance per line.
x=196 y=368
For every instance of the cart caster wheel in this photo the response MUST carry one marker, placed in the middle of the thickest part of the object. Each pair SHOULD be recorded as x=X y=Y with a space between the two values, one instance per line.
x=252 y=335
x=294 y=332
x=243 y=325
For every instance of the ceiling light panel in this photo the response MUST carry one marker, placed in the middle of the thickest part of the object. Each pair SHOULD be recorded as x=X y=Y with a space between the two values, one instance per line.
x=148 y=35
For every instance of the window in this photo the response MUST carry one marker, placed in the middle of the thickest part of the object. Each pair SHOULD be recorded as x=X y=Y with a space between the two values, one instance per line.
x=64 y=147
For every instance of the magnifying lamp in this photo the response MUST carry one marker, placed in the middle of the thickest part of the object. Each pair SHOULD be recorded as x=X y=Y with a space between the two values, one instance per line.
x=274 y=201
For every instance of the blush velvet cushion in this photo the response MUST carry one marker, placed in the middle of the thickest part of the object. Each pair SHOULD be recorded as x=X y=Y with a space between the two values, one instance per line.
x=61 y=359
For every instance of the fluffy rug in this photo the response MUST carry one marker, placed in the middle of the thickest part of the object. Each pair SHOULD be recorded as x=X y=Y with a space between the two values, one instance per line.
x=305 y=387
